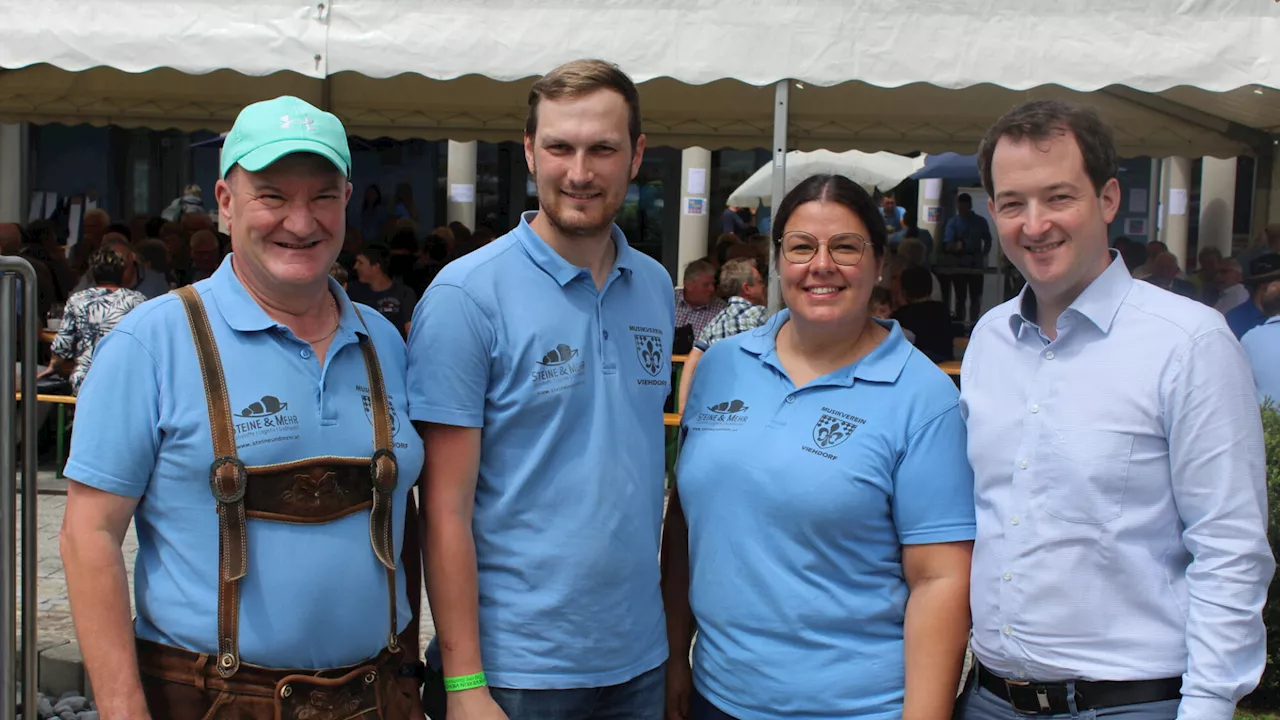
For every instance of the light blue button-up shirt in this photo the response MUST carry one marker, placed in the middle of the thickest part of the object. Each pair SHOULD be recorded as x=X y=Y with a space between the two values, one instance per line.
x=1120 y=492
x=1262 y=345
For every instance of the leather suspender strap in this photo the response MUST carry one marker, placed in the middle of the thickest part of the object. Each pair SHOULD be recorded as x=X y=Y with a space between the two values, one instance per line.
x=228 y=479
x=384 y=471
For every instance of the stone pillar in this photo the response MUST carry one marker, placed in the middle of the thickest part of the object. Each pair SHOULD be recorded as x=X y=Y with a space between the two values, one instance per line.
x=14 y=190
x=461 y=183
x=695 y=162
x=1175 y=183
x=1217 y=203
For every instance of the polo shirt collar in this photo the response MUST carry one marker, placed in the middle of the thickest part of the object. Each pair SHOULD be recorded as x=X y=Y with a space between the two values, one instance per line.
x=1099 y=303
x=884 y=364
x=559 y=268
x=244 y=314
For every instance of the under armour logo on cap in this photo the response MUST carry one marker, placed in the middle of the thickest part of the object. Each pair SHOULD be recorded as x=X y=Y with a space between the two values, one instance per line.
x=286 y=122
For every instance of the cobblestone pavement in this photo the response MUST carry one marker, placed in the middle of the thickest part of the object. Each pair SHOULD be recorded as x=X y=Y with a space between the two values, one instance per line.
x=53 y=619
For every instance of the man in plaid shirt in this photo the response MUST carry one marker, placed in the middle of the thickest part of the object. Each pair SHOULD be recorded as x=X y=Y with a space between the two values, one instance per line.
x=741 y=281
x=696 y=301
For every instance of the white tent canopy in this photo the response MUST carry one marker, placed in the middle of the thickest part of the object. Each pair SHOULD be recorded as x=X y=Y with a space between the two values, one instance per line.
x=1198 y=77
x=1149 y=45
x=873 y=171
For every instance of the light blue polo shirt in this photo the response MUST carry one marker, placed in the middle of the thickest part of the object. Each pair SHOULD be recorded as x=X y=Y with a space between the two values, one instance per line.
x=568 y=383
x=799 y=502
x=1262 y=345
x=315 y=595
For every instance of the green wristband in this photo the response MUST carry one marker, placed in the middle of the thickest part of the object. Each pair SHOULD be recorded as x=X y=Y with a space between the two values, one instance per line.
x=465 y=682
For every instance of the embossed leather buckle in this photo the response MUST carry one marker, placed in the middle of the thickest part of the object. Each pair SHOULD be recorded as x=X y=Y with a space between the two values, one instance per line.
x=384 y=481
x=241 y=478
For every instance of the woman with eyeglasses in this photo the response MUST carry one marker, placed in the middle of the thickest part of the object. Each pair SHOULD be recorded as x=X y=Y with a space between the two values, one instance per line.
x=820 y=535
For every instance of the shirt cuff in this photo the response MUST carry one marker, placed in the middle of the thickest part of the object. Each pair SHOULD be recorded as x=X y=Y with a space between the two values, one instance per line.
x=1205 y=708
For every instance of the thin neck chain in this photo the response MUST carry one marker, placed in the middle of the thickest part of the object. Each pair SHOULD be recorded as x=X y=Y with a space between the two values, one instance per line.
x=337 y=322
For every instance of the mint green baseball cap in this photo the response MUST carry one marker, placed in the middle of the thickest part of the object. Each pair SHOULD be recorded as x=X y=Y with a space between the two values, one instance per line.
x=267 y=131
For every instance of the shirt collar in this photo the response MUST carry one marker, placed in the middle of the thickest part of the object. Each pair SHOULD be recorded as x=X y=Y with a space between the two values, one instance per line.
x=883 y=364
x=244 y=314
x=1272 y=320
x=1100 y=301
x=559 y=268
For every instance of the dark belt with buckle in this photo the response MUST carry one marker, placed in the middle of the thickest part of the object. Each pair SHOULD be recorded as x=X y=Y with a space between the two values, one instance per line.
x=1037 y=698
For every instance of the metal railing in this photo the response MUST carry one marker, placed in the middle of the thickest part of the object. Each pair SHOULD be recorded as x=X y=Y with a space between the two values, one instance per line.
x=11 y=270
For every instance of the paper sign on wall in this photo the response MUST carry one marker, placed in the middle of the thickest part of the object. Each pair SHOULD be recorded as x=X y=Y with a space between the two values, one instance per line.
x=1177 y=201
x=933 y=214
x=697 y=181
x=462 y=193
x=932 y=188
x=695 y=206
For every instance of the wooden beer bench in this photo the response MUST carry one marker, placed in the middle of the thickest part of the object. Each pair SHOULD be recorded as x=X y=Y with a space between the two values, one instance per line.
x=62 y=401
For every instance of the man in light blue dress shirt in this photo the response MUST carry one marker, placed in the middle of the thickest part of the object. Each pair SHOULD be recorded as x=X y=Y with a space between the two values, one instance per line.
x=1121 y=560
x=1262 y=345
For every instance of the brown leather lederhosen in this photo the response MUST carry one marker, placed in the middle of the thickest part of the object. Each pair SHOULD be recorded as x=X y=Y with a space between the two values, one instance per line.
x=314 y=490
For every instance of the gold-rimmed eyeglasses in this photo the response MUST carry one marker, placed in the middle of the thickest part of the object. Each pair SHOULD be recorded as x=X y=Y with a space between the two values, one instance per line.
x=798 y=248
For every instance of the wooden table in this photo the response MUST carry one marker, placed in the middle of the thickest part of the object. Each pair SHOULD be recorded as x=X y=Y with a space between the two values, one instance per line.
x=47 y=335
x=63 y=402
x=950 y=367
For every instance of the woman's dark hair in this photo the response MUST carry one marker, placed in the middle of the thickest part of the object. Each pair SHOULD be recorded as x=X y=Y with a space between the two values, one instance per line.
x=836 y=189
x=108 y=265
x=154 y=224
x=461 y=233
x=404 y=240
x=377 y=200
x=723 y=243
x=121 y=228
x=39 y=230
x=404 y=196
x=154 y=254
x=436 y=248
x=1131 y=251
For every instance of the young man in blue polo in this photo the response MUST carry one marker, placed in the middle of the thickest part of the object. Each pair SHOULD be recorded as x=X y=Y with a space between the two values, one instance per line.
x=255 y=427
x=539 y=367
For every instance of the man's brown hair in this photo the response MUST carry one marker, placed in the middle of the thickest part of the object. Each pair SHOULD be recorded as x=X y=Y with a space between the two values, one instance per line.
x=1041 y=120
x=583 y=77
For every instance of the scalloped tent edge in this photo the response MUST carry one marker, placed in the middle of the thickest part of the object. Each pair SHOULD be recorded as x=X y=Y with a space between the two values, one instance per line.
x=1199 y=78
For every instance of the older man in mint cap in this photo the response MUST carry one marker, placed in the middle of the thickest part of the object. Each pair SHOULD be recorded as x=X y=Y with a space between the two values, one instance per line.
x=254 y=427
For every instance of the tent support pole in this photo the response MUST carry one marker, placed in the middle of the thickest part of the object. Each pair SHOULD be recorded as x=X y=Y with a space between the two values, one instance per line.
x=1153 y=201
x=781 y=104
